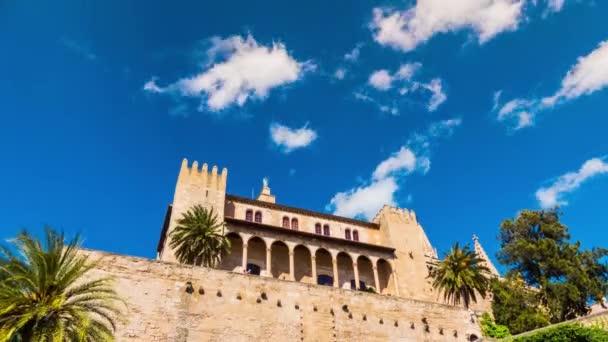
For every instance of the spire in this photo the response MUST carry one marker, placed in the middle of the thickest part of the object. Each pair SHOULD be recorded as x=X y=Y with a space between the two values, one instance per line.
x=481 y=254
x=265 y=194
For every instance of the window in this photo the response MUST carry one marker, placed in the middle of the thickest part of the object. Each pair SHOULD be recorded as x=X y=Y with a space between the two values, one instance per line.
x=326 y=230
x=355 y=235
x=253 y=269
x=285 y=222
x=294 y=223
x=347 y=234
x=326 y=280
x=318 y=228
x=258 y=216
x=249 y=215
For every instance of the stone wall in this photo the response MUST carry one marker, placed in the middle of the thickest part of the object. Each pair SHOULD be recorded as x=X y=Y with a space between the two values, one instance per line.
x=172 y=302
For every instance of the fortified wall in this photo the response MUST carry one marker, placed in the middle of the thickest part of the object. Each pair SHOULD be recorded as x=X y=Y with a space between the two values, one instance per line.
x=173 y=302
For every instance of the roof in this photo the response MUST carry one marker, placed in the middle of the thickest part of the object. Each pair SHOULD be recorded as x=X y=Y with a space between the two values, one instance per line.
x=300 y=233
x=302 y=211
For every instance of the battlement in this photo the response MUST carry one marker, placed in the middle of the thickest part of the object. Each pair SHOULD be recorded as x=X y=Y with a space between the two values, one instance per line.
x=395 y=214
x=211 y=180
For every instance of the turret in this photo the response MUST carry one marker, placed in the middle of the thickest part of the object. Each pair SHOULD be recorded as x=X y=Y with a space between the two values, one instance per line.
x=194 y=187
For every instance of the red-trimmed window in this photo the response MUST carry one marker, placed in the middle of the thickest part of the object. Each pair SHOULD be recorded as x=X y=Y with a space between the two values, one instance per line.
x=294 y=223
x=326 y=230
x=249 y=215
x=318 y=229
x=355 y=235
x=285 y=222
x=347 y=234
x=258 y=217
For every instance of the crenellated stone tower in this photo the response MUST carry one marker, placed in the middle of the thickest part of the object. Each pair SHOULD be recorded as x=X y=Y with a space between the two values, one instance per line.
x=194 y=186
x=413 y=251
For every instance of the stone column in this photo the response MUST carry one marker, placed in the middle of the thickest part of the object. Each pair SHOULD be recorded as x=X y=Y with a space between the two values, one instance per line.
x=313 y=264
x=376 y=278
x=334 y=261
x=244 y=257
x=269 y=262
x=356 y=269
x=292 y=271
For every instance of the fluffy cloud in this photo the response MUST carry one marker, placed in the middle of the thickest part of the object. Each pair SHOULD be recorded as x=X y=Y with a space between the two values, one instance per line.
x=405 y=30
x=437 y=95
x=246 y=71
x=366 y=199
x=588 y=75
x=402 y=160
x=381 y=80
x=289 y=139
x=551 y=196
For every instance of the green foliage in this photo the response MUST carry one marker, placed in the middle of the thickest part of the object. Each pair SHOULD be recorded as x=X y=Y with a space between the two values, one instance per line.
x=460 y=275
x=490 y=329
x=516 y=306
x=567 y=333
x=198 y=239
x=47 y=295
x=535 y=245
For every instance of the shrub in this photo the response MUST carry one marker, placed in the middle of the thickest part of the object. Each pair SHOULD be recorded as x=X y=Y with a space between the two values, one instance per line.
x=567 y=332
x=491 y=329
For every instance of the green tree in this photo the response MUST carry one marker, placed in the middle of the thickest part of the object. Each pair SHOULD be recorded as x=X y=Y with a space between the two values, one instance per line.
x=536 y=245
x=198 y=238
x=490 y=329
x=460 y=275
x=516 y=306
x=46 y=293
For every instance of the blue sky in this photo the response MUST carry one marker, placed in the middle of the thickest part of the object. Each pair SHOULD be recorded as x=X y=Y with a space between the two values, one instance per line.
x=465 y=115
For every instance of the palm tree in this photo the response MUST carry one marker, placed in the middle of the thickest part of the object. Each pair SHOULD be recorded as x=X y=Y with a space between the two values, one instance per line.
x=46 y=293
x=198 y=238
x=460 y=275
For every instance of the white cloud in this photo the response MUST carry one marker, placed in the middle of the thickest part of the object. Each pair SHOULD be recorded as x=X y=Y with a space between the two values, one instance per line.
x=555 y=5
x=340 y=73
x=405 y=30
x=406 y=71
x=402 y=160
x=366 y=199
x=248 y=71
x=437 y=95
x=381 y=80
x=590 y=74
x=353 y=55
x=552 y=195
x=289 y=139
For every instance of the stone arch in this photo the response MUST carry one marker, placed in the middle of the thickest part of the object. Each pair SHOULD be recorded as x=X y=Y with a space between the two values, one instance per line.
x=385 y=277
x=233 y=260
x=256 y=256
x=302 y=263
x=346 y=272
x=325 y=269
x=366 y=273
x=279 y=261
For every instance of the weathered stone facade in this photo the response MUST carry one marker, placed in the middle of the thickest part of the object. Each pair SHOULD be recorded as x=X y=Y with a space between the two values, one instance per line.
x=292 y=275
x=173 y=302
